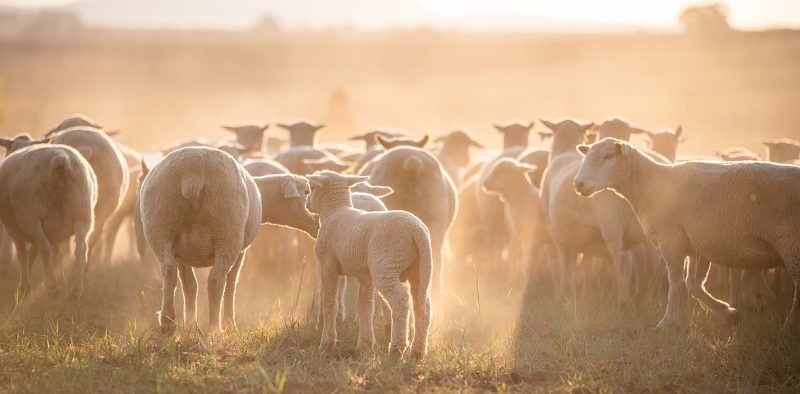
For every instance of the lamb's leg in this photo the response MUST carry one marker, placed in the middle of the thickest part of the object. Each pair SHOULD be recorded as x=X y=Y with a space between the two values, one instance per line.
x=397 y=295
x=81 y=261
x=698 y=268
x=189 y=286
x=46 y=250
x=437 y=245
x=675 y=274
x=229 y=312
x=734 y=286
x=329 y=288
x=223 y=261
x=341 y=314
x=24 y=268
x=422 y=316
x=366 y=312
x=166 y=317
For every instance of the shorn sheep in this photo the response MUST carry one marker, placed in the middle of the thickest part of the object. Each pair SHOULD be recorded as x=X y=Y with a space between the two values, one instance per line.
x=200 y=208
x=743 y=215
x=47 y=195
x=354 y=243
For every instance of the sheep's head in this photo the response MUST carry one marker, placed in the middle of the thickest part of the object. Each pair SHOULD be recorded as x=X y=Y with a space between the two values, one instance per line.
x=506 y=176
x=737 y=154
x=604 y=166
x=617 y=128
x=331 y=163
x=249 y=135
x=782 y=150
x=330 y=190
x=302 y=133
x=19 y=142
x=74 y=120
x=232 y=148
x=515 y=134
x=456 y=144
x=275 y=144
x=389 y=143
x=370 y=137
x=567 y=133
x=666 y=142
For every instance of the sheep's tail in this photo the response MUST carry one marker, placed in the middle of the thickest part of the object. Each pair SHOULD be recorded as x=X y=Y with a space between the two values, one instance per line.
x=422 y=240
x=60 y=163
x=191 y=186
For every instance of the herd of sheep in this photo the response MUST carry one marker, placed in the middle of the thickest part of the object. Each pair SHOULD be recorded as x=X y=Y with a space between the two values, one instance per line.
x=399 y=211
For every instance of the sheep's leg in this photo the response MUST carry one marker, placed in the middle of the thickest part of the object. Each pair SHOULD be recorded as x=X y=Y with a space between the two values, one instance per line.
x=734 y=287
x=698 y=268
x=94 y=238
x=792 y=264
x=437 y=244
x=341 y=314
x=386 y=312
x=397 y=295
x=24 y=268
x=110 y=237
x=223 y=261
x=329 y=288
x=81 y=261
x=6 y=253
x=675 y=274
x=46 y=249
x=189 y=287
x=366 y=312
x=229 y=312
x=422 y=316
x=166 y=317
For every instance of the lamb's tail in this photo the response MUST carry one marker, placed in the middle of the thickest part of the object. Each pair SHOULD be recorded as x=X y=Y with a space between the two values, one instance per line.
x=191 y=186
x=60 y=163
x=422 y=240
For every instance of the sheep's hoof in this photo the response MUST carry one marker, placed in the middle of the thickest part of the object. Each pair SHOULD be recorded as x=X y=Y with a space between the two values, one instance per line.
x=327 y=347
x=418 y=354
x=396 y=352
x=731 y=316
x=166 y=325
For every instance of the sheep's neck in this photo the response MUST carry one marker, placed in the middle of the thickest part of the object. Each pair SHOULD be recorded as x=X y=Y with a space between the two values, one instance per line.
x=333 y=200
x=644 y=183
x=285 y=217
x=564 y=144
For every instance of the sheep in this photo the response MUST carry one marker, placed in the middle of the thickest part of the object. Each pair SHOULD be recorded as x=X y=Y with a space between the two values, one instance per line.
x=274 y=145
x=248 y=135
x=386 y=144
x=515 y=134
x=353 y=242
x=422 y=187
x=125 y=210
x=200 y=208
x=372 y=150
x=685 y=210
x=537 y=157
x=75 y=120
x=47 y=195
x=454 y=154
x=665 y=142
x=523 y=214
x=301 y=133
x=782 y=150
x=737 y=154
x=6 y=250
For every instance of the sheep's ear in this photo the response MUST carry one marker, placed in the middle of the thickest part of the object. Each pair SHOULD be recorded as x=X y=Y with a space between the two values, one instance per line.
x=358 y=138
x=285 y=126
x=290 y=189
x=530 y=125
x=383 y=141
x=378 y=191
x=587 y=126
x=353 y=180
x=318 y=126
x=5 y=142
x=678 y=131
x=234 y=129
x=45 y=140
x=499 y=128
x=112 y=133
x=636 y=130
x=421 y=143
x=264 y=127
x=583 y=149
x=145 y=169
x=314 y=180
x=550 y=125
x=476 y=144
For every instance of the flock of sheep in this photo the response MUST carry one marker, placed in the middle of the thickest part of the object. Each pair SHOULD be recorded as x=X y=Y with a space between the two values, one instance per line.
x=397 y=212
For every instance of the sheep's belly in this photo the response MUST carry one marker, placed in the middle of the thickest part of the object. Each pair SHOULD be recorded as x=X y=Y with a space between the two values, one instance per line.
x=742 y=252
x=195 y=247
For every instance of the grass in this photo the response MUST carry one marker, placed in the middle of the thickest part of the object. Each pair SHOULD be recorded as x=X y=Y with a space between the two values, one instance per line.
x=109 y=344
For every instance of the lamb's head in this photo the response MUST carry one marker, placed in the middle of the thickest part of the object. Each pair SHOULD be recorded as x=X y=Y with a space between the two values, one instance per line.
x=389 y=143
x=666 y=142
x=331 y=163
x=515 y=134
x=567 y=134
x=330 y=191
x=617 y=128
x=19 y=142
x=248 y=135
x=370 y=137
x=506 y=177
x=606 y=165
x=782 y=150
x=75 y=120
x=301 y=133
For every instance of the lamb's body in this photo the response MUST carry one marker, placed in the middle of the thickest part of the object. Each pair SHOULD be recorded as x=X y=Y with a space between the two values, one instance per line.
x=353 y=242
x=48 y=194
x=200 y=208
x=743 y=215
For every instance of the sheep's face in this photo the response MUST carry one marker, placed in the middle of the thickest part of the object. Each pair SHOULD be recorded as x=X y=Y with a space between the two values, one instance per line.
x=603 y=167
x=617 y=128
x=567 y=132
x=249 y=136
x=665 y=142
x=515 y=134
x=506 y=176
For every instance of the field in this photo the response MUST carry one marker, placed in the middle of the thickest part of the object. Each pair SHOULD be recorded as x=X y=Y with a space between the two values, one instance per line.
x=156 y=88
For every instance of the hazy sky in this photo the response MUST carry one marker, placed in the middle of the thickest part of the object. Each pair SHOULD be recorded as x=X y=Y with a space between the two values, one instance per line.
x=643 y=13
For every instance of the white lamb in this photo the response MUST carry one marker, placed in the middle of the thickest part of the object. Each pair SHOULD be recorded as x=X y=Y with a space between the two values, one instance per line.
x=356 y=243
x=47 y=195
x=743 y=215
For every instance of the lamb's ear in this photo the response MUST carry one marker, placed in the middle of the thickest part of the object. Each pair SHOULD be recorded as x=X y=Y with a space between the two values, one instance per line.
x=550 y=125
x=145 y=169
x=285 y=126
x=290 y=189
x=421 y=143
x=582 y=149
x=358 y=138
x=264 y=127
x=636 y=130
x=318 y=126
x=353 y=180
